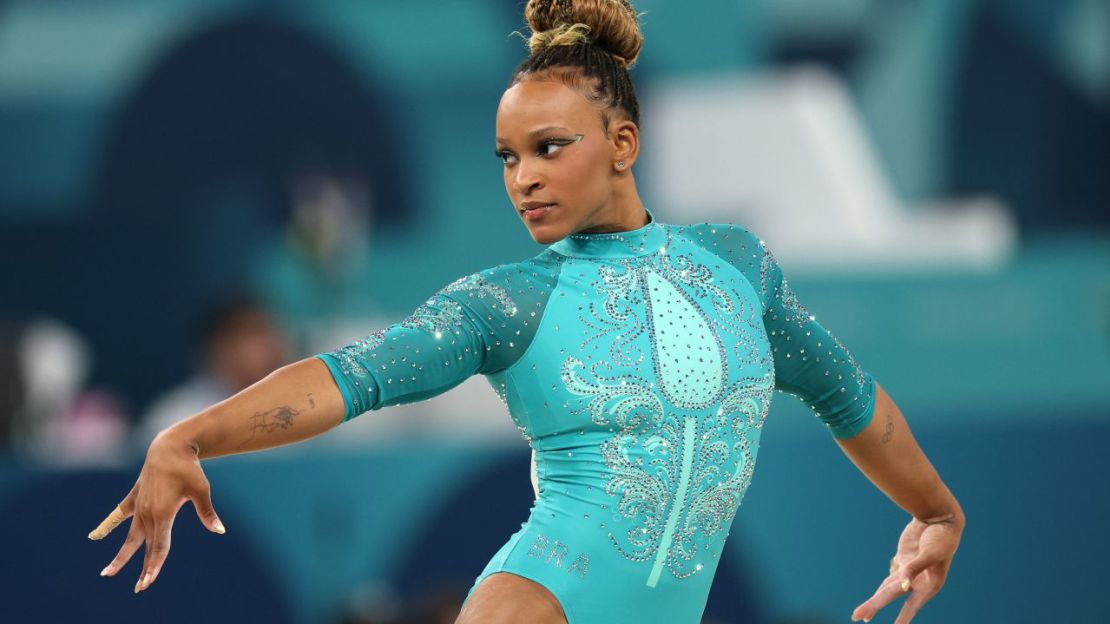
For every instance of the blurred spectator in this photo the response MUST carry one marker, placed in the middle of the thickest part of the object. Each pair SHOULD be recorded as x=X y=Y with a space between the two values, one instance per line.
x=240 y=344
x=47 y=412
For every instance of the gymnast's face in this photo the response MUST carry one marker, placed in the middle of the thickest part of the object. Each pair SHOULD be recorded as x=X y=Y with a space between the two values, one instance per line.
x=560 y=160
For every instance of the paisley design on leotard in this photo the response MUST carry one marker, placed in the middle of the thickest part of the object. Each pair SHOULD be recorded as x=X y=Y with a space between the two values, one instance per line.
x=678 y=476
x=623 y=400
x=744 y=409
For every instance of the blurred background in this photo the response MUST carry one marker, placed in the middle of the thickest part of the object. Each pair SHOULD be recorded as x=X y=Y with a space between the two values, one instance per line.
x=195 y=193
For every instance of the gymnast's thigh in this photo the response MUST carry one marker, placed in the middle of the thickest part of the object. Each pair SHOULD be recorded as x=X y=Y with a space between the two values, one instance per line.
x=505 y=598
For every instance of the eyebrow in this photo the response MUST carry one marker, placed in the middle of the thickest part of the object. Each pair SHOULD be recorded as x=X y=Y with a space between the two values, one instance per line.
x=544 y=130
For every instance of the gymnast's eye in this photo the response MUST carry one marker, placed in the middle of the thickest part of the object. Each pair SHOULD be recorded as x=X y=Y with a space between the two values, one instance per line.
x=550 y=147
x=506 y=156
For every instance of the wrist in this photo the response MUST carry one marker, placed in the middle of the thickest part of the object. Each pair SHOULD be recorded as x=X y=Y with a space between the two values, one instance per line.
x=183 y=436
x=952 y=516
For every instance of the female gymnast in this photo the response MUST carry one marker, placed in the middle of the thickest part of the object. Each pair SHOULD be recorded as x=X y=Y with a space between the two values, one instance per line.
x=637 y=358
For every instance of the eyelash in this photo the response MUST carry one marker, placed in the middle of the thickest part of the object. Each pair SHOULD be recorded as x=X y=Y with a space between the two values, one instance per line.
x=503 y=154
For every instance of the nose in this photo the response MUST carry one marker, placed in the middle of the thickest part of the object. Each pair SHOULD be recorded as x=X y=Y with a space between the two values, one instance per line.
x=526 y=178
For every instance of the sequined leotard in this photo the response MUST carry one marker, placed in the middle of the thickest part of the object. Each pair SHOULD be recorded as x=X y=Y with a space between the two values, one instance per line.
x=639 y=366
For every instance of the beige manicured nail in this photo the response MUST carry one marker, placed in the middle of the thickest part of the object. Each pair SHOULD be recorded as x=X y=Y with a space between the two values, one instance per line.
x=106 y=569
x=905 y=585
x=220 y=527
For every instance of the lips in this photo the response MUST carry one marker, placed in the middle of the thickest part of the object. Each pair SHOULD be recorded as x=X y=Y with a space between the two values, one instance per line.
x=535 y=210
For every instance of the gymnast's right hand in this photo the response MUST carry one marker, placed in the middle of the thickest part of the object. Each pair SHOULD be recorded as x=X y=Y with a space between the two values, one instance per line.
x=170 y=476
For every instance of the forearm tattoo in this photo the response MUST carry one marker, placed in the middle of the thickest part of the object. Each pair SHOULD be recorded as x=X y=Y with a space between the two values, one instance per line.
x=271 y=420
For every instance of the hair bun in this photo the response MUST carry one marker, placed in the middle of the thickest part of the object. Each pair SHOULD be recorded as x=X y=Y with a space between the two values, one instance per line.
x=609 y=24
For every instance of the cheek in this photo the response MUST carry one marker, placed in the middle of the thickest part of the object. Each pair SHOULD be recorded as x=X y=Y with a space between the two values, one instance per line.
x=510 y=186
x=585 y=179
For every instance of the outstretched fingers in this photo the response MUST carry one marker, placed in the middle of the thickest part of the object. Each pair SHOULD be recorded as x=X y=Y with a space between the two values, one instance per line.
x=895 y=585
x=914 y=603
x=130 y=545
x=157 y=549
x=924 y=574
x=202 y=502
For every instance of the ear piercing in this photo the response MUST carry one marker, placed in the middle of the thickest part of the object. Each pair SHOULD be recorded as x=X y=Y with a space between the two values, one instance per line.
x=620 y=165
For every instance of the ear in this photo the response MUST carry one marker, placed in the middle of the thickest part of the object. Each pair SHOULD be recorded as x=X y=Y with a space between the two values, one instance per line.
x=625 y=139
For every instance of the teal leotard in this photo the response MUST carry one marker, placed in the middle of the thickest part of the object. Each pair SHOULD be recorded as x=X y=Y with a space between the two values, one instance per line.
x=639 y=366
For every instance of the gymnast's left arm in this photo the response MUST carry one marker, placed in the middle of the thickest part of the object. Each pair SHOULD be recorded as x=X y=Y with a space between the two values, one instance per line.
x=886 y=452
x=813 y=365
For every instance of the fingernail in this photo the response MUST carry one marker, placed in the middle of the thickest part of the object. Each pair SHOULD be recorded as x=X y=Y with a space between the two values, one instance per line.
x=106 y=569
x=146 y=581
x=220 y=527
x=905 y=585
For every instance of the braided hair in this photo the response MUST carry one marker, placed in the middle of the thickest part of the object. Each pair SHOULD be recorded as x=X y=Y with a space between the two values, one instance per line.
x=589 y=45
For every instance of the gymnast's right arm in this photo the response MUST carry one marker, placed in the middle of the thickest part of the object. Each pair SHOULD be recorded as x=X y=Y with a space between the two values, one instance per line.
x=293 y=403
x=440 y=345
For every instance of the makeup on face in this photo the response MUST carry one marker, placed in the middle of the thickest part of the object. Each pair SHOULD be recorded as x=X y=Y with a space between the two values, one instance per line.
x=555 y=158
x=546 y=147
x=548 y=142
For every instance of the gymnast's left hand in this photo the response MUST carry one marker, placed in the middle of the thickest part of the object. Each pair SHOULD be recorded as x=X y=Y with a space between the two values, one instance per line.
x=920 y=566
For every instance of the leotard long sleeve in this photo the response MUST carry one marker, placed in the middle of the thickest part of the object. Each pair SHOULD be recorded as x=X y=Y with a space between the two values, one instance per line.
x=639 y=366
